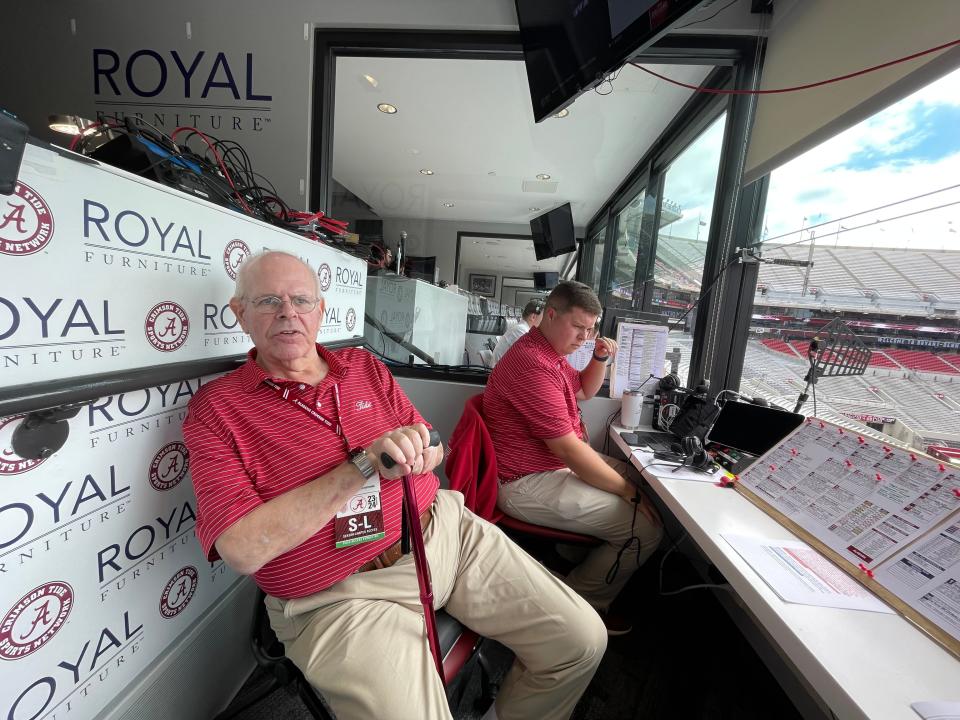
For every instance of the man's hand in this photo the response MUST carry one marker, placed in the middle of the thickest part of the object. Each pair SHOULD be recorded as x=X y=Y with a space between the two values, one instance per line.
x=408 y=447
x=605 y=348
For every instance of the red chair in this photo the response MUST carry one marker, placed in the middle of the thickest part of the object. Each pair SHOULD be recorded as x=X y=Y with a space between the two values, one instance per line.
x=471 y=467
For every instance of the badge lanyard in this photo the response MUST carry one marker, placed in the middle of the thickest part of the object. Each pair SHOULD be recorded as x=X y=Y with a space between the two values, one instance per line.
x=360 y=519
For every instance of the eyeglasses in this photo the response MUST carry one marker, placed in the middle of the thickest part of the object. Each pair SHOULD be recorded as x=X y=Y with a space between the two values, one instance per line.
x=270 y=304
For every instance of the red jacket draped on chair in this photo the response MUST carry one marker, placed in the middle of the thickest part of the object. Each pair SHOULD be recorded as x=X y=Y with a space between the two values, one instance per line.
x=471 y=465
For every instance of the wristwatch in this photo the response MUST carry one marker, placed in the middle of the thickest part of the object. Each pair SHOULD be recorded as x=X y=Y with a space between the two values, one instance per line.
x=601 y=359
x=361 y=461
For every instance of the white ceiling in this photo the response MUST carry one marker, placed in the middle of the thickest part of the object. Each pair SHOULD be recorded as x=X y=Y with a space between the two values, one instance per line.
x=504 y=255
x=471 y=122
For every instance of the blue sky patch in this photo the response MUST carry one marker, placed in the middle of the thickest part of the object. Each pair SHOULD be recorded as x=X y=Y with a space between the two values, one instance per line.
x=933 y=135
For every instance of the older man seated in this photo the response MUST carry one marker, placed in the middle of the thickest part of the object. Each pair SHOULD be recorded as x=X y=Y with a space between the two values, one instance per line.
x=283 y=447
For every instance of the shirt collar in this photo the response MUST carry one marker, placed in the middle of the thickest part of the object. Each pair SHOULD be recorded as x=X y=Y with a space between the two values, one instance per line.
x=252 y=375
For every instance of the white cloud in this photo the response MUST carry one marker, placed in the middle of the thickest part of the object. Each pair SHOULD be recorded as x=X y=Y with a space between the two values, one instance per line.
x=821 y=183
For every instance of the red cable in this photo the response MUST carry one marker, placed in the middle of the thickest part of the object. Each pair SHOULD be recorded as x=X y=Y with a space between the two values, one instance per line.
x=216 y=155
x=714 y=91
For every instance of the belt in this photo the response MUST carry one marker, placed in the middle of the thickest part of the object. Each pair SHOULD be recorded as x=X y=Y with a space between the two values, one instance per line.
x=393 y=553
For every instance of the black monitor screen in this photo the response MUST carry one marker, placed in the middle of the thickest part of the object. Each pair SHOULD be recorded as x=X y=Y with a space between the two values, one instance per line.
x=421 y=268
x=752 y=428
x=553 y=233
x=545 y=280
x=570 y=45
x=613 y=316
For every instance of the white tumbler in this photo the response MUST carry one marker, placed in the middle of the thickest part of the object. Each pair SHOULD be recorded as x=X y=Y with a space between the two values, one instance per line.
x=631 y=404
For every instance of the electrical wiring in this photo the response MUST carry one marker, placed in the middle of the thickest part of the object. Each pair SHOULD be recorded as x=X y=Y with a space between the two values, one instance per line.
x=711 y=17
x=797 y=88
x=675 y=324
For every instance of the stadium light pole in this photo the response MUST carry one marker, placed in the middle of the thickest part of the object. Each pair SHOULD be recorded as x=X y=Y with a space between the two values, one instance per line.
x=806 y=271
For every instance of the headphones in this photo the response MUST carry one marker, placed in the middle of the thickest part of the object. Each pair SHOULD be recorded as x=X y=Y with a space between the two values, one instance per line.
x=668 y=383
x=689 y=451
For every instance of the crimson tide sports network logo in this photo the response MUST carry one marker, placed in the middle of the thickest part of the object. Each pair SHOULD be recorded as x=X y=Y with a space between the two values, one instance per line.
x=234 y=253
x=35 y=619
x=326 y=277
x=167 y=326
x=179 y=591
x=10 y=462
x=351 y=319
x=169 y=466
x=26 y=223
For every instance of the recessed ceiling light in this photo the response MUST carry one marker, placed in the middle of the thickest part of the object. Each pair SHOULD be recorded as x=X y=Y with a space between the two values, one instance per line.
x=562 y=114
x=448 y=204
x=387 y=108
x=414 y=151
x=371 y=79
x=426 y=171
x=543 y=176
x=534 y=209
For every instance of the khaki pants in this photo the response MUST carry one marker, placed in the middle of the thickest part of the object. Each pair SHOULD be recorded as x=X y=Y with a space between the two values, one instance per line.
x=363 y=644
x=559 y=499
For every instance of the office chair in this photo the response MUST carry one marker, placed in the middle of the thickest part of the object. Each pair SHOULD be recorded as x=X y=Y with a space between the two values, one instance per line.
x=459 y=646
x=471 y=468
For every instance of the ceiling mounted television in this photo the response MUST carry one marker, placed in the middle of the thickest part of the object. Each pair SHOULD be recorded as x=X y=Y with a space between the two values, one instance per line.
x=545 y=280
x=570 y=45
x=553 y=233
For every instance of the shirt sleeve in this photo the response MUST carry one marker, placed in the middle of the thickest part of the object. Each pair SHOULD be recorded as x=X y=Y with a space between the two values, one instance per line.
x=223 y=489
x=540 y=397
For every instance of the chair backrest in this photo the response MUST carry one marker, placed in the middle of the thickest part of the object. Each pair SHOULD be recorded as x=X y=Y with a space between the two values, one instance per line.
x=471 y=464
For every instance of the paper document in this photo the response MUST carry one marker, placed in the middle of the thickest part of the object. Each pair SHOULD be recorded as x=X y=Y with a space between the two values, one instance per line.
x=799 y=574
x=581 y=357
x=642 y=351
x=926 y=576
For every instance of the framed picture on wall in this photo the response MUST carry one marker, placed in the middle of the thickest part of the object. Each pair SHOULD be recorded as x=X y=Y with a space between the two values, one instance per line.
x=485 y=285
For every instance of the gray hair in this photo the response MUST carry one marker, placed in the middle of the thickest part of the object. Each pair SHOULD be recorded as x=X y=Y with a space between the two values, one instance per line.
x=250 y=263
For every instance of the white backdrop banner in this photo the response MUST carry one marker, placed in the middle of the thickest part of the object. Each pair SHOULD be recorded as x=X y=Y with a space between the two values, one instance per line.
x=104 y=271
x=99 y=566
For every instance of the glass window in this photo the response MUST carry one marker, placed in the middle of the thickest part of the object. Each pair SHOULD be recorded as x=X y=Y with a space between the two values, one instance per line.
x=620 y=286
x=597 y=243
x=875 y=210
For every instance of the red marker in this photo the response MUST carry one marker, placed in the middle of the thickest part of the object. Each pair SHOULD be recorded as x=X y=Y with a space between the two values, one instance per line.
x=866 y=570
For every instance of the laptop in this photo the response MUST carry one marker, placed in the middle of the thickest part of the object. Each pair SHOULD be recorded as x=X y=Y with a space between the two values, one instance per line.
x=742 y=432
x=656 y=441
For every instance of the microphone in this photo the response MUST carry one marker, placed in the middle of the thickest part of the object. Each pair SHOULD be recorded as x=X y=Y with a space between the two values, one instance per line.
x=388 y=462
x=785 y=261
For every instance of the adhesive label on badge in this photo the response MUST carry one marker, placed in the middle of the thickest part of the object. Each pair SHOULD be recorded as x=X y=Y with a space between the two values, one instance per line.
x=360 y=520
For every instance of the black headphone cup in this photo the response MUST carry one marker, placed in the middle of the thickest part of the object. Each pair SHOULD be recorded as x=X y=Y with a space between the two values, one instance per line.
x=669 y=382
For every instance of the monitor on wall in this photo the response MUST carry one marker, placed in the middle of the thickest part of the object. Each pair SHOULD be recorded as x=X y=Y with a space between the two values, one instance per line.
x=553 y=233
x=545 y=280
x=570 y=45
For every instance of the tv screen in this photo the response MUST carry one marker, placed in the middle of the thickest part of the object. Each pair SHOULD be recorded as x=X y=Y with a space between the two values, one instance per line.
x=545 y=280
x=570 y=45
x=553 y=233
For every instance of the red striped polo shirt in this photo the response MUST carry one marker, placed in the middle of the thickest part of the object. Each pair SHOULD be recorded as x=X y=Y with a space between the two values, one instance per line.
x=531 y=396
x=247 y=445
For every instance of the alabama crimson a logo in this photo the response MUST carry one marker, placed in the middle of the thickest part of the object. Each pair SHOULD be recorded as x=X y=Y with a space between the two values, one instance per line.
x=169 y=466
x=351 y=319
x=26 y=223
x=167 y=326
x=179 y=591
x=325 y=274
x=234 y=253
x=35 y=619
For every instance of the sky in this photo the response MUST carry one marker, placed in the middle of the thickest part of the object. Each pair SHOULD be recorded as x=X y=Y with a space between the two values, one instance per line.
x=909 y=149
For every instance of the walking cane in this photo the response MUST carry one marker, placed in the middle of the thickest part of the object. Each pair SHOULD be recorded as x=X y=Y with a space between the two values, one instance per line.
x=413 y=534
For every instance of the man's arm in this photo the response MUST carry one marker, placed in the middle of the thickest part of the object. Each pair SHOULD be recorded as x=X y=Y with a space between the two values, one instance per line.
x=589 y=466
x=591 y=377
x=285 y=522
